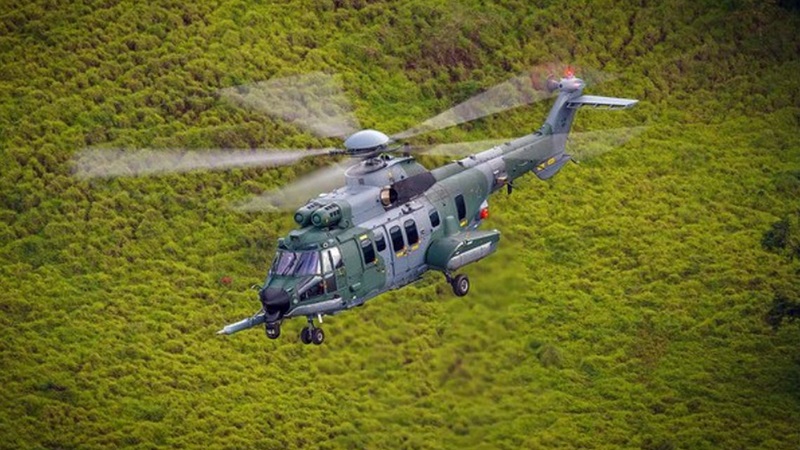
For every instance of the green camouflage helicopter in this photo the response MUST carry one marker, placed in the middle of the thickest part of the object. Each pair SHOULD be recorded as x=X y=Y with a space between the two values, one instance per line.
x=393 y=220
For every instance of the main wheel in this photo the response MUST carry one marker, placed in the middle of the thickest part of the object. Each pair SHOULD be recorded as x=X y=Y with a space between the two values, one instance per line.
x=273 y=331
x=460 y=285
x=317 y=336
x=305 y=335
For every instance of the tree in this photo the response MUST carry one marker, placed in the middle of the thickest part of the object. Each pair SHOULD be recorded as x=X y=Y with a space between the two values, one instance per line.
x=783 y=237
x=782 y=308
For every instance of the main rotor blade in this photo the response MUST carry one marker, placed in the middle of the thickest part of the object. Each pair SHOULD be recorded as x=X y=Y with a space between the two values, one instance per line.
x=107 y=163
x=581 y=145
x=315 y=101
x=296 y=193
x=459 y=149
x=524 y=89
x=510 y=94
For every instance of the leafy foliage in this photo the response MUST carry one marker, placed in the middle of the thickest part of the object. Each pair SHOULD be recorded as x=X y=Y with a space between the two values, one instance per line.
x=784 y=237
x=624 y=309
x=782 y=308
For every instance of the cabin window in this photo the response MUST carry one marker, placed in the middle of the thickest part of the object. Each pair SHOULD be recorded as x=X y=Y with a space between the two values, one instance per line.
x=461 y=207
x=434 y=216
x=380 y=242
x=397 y=239
x=368 y=251
x=411 y=232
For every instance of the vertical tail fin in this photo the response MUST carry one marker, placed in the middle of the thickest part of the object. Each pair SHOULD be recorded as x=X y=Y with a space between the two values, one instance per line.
x=569 y=100
x=559 y=121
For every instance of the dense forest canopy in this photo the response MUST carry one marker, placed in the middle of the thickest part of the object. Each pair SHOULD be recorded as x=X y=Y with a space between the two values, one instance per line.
x=626 y=307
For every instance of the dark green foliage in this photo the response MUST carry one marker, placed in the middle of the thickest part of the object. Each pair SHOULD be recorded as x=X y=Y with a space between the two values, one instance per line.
x=649 y=444
x=624 y=308
x=777 y=237
x=782 y=308
x=783 y=237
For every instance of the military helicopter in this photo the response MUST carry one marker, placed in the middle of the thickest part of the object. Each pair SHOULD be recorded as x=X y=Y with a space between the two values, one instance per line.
x=393 y=220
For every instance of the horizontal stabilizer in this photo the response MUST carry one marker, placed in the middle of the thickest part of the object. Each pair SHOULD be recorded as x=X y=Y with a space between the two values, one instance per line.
x=594 y=101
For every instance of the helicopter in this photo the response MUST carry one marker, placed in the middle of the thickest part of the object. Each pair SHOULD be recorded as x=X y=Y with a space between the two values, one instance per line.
x=394 y=220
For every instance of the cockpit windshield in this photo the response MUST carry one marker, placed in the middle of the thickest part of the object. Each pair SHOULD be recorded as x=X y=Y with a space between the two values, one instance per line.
x=296 y=264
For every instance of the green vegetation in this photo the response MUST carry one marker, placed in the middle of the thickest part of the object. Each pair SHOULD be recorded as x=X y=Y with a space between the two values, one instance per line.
x=625 y=309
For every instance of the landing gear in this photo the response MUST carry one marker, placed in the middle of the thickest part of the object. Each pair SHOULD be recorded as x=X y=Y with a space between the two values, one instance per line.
x=460 y=284
x=312 y=334
x=273 y=330
x=317 y=336
x=305 y=335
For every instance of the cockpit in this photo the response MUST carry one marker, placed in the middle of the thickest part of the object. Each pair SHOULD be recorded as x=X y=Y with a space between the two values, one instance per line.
x=314 y=269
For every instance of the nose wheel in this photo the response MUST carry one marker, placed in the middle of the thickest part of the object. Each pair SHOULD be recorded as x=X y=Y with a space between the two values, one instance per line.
x=273 y=330
x=312 y=334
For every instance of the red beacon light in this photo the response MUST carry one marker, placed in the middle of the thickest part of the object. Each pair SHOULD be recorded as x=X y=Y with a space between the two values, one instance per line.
x=484 y=213
x=569 y=73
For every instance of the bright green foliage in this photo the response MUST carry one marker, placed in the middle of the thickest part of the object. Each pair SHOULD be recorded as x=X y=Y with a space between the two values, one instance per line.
x=624 y=309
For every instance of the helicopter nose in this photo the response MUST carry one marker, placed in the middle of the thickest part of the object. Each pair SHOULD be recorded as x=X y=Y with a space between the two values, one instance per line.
x=275 y=301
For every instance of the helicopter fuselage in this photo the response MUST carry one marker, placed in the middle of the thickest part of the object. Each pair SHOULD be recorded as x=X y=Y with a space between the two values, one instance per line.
x=394 y=220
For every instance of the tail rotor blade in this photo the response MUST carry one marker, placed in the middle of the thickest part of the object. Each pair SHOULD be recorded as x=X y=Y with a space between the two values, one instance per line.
x=109 y=163
x=315 y=101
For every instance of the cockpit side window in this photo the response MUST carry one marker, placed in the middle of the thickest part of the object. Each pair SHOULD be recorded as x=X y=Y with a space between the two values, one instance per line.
x=327 y=267
x=314 y=287
x=284 y=263
x=274 y=265
x=336 y=256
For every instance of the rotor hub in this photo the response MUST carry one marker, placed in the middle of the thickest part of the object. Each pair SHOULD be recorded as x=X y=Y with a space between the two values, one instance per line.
x=366 y=143
x=570 y=84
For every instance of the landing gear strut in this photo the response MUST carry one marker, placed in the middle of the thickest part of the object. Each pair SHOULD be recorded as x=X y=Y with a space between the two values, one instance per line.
x=312 y=334
x=460 y=284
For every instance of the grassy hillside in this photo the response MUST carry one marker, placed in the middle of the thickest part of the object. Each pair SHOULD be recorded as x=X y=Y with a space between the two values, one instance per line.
x=624 y=309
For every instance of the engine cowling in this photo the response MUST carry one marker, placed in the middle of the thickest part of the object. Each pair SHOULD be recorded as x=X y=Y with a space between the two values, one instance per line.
x=327 y=216
x=303 y=215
